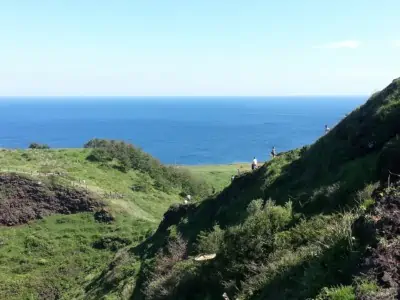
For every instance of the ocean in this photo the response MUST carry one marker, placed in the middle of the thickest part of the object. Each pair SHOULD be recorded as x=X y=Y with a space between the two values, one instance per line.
x=182 y=130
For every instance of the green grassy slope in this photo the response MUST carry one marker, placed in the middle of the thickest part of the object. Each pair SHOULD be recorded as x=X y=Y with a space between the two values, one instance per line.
x=285 y=231
x=219 y=176
x=55 y=258
x=298 y=247
x=98 y=178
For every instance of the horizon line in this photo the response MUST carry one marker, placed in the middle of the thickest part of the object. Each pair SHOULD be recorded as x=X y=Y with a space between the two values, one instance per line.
x=187 y=96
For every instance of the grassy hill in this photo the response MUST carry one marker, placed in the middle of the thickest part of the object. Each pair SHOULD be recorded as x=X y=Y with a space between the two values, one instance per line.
x=304 y=226
x=59 y=254
x=320 y=222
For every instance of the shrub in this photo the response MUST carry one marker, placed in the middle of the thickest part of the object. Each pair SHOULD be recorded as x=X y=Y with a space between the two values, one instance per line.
x=164 y=277
x=211 y=242
x=100 y=155
x=366 y=288
x=129 y=157
x=337 y=293
x=111 y=242
x=38 y=146
x=253 y=240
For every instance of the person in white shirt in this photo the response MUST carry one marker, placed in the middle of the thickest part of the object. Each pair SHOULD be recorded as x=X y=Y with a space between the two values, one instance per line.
x=254 y=164
x=273 y=152
x=327 y=129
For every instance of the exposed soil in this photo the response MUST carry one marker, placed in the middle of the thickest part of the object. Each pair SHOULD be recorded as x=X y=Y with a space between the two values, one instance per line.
x=23 y=199
x=383 y=263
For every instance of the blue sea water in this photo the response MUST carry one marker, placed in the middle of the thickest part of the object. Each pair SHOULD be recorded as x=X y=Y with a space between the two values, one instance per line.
x=175 y=130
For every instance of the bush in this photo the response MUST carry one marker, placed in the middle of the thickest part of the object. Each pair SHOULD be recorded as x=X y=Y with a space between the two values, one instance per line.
x=111 y=242
x=100 y=155
x=209 y=243
x=338 y=293
x=129 y=157
x=366 y=288
x=165 y=277
x=254 y=239
x=38 y=146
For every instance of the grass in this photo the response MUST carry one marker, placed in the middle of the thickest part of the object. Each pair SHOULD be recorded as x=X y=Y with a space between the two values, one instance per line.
x=55 y=257
x=219 y=176
x=62 y=254
x=284 y=231
x=299 y=247
x=98 y=178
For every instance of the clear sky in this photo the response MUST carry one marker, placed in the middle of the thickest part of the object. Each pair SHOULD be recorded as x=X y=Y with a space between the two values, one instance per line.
x=197 y=47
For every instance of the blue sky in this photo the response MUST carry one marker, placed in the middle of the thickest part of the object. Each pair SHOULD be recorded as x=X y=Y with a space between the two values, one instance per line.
x=207 y=47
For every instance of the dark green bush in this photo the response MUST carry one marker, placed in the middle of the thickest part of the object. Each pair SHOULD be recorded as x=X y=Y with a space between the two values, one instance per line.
x=111 y=242
x=38 y=146
x=100 y=155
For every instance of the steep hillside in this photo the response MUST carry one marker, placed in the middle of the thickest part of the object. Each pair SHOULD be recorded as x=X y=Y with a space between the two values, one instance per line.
x=284 y=231
x=65 y=215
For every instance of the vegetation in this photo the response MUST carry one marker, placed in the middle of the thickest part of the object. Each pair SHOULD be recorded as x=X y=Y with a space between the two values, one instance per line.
x=218 y=176
x=56 y=257
x=320 y=222
x=38 y=146
x=59 y=256
x=126 y=157
x=299 y=245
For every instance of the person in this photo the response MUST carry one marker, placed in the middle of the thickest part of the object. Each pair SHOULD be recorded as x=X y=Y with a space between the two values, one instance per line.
x=188 y=197
x=273 y=152
x=327 y=129
x=254 y=164
x=233 y=178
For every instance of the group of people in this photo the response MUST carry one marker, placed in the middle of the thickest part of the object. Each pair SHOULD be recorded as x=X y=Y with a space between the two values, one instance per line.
x=254 y=164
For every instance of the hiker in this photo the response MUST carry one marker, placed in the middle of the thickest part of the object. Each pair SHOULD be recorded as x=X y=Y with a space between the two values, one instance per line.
x=233 y=177
x=238 y=170
x=254 y=164
x=225 y=296
x=273 y=152
x=327 y=129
